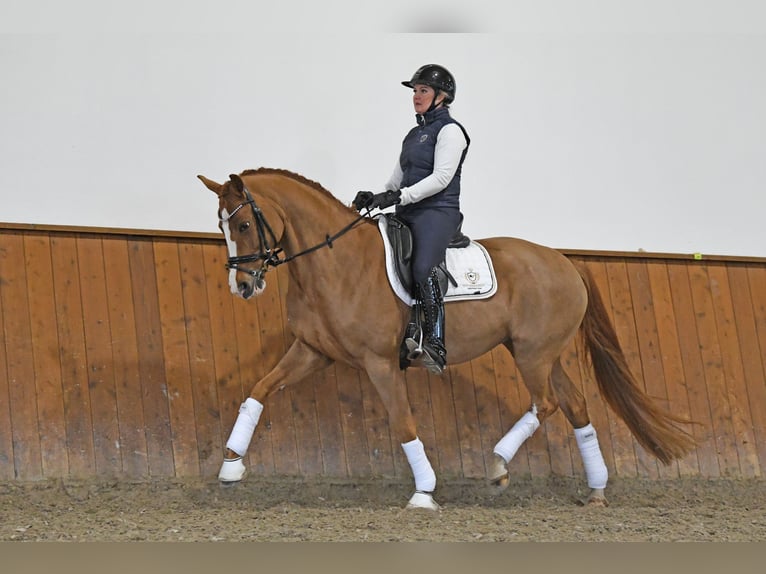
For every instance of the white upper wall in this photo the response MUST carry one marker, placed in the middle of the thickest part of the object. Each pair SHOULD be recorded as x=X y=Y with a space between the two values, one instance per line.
x=633 y=132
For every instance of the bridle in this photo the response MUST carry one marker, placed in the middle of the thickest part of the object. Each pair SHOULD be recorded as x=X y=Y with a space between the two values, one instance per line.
x=268 y=251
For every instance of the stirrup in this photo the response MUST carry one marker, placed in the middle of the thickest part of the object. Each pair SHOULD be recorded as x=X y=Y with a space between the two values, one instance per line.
x=414 y=346
x=433 y=361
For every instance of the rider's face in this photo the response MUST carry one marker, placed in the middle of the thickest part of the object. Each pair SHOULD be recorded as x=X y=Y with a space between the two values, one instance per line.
x=423 y=96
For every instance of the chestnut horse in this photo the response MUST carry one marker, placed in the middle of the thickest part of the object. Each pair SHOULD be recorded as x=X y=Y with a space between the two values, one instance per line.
x=340 y=307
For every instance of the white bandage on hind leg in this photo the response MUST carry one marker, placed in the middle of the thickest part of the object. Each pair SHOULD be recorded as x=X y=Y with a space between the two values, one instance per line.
x=249 y=413
x=592 y=459
x=425 y=478
x=524 y=428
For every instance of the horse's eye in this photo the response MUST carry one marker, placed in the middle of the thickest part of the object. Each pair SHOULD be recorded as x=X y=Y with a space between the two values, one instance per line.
x=244 y=226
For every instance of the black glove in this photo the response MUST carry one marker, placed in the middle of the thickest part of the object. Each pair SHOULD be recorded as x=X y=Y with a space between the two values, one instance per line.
x=386 y=199
x=363 y=199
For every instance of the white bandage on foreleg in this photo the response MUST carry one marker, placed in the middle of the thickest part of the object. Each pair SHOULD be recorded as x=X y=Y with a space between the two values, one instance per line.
x=425 y=478
x=514 y=438
x=592 y=459
x=249 y=413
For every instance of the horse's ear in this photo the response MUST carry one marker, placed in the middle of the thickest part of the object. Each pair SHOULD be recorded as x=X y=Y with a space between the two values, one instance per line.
x=211 y=185
x=239 y=185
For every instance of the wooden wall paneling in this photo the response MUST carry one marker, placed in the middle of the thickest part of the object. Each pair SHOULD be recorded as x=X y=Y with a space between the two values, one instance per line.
x=445 y=426
x=723 y=429
x=625 y=324
x=754 y=350
x=330 y=428
x=733 y=371
x=19 y=359
x=278 y=411
x=7 y=466
x=73 y=356
x=513 y=401
x=352 y=420
x=488 y=410
x=694 y=371
x=127 y=379
x=224 y=349
x=670 y=353
x=197 y=320
x=613 y=436
x=100 y=362
x=649 y=347
x=45 y=345
x=379 y=440
x=466 y=415
x=175 y=344
x=151 y=360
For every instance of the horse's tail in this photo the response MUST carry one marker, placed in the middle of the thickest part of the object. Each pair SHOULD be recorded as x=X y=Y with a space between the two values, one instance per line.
x=655 y=429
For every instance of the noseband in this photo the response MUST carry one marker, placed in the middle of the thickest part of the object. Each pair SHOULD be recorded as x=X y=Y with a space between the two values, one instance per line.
x=268 y=252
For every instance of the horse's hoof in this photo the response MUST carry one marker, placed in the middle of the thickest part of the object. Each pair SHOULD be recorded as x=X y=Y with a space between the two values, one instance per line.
x=596 y=499
x=423 y=500
x=232 y=471
x=498 y=476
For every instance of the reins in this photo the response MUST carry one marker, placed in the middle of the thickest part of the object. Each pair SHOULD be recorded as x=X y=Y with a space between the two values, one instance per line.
x=271 y=255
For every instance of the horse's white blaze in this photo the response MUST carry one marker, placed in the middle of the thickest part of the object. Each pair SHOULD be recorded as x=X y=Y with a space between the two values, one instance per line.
x=232 y=247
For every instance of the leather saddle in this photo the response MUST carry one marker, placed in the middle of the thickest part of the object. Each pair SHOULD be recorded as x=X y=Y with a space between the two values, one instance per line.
x=400 y=237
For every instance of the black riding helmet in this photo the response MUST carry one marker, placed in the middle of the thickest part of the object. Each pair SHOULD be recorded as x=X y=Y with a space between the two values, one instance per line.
x=436 y=76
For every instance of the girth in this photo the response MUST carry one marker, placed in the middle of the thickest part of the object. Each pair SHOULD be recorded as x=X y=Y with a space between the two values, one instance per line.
x=400 y=236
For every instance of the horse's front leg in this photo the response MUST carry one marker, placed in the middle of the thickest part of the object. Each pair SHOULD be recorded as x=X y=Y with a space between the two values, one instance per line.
x=299 y=361
x=392 y=387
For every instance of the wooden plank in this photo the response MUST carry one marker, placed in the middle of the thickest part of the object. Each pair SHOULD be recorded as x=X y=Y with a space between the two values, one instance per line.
x=100 y=363
x=27 y=457
x=744 y=305
x=151 y=362
x=45 y=343
x=175 y=346
x=670 y=353
x=694 y=372
x=754 y=350
x=201 y=357
x=624 y=322
x=330 y=429
x=713 y=366
x=445 y=427
x=127 y=379
x=350 y=403
x=648 y=346
x=379 y=440
x=73 y=357
x=467 y=418
x=733 y=371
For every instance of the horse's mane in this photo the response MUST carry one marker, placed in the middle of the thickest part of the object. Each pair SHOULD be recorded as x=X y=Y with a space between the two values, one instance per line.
x=300 y=179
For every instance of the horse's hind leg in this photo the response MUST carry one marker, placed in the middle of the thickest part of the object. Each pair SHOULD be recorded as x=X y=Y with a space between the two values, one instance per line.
x=537 y=378
x=573 y=405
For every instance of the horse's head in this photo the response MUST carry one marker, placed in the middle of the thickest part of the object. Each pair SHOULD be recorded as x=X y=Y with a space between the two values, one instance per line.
x=252 y=233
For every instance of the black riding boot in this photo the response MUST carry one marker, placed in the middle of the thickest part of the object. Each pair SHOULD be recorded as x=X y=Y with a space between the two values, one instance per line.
x=434 y=353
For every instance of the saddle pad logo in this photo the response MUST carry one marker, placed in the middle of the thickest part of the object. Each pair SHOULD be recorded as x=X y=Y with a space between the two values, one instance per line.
x=472 y=277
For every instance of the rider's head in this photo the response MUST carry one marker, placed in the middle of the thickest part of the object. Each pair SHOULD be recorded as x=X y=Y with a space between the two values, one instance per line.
x=438 y=79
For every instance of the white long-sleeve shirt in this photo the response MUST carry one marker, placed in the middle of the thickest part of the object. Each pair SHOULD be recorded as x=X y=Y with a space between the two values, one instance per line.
x=450 y=143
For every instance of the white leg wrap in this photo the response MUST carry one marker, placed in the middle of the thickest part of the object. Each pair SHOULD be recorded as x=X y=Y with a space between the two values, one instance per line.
x=249 y=413
x=425 y=478
x=593 y=461
x=514 y=438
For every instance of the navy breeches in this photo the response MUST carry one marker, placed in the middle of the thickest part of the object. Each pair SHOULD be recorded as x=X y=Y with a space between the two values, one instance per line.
x=432 y=230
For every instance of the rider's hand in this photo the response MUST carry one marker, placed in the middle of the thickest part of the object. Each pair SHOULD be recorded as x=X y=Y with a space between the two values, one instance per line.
x=363 y=199
x=386 y=199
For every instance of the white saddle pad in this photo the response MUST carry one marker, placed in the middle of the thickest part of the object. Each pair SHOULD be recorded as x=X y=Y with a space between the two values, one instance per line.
x=470 y=266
